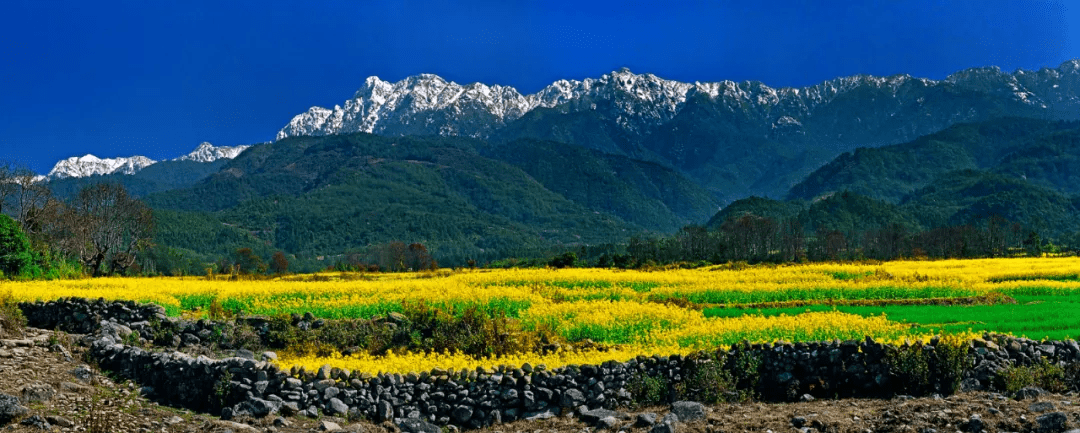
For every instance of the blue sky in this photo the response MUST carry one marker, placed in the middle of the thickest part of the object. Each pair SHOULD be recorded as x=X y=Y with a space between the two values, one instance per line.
x=157 y=77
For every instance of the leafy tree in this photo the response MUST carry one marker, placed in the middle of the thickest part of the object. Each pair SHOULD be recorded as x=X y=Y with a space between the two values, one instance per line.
x=247 y=262
x=565 y=260
x=278 y=263
x=16 y=256
x=419 y=258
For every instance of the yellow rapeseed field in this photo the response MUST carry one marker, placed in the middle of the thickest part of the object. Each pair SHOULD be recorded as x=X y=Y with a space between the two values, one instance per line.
x=639 y=313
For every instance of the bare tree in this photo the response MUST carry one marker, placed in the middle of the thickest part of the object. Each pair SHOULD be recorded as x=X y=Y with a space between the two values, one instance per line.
x=21 y=193
x=103 y=225
x=7 y=183
x=31 y=196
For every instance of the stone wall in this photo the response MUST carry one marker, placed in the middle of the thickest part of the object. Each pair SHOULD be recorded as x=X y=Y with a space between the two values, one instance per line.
x=475 y=398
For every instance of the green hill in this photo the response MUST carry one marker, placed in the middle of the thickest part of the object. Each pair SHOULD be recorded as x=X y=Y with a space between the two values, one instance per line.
x=1043 y=152
x=327 y=196
x=644 y=193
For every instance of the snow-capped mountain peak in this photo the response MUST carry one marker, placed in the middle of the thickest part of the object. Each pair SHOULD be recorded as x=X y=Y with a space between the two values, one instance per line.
x=207 y=152
x=89 y=165
x=415 y=105
x=427 y=104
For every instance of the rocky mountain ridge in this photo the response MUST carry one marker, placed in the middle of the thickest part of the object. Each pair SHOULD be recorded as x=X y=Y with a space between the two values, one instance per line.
x=90 y=165
x=429 y=104
x=735 y=139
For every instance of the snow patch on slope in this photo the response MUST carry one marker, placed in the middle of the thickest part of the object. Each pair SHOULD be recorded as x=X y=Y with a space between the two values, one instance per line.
x=90 y=165
x=207 y=152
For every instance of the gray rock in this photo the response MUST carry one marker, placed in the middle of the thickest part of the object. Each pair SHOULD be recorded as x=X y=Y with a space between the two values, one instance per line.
x=60 y=421
x=416 y=425
x=281 y=422
x=669 y=418
x=462 y=413
x=325 y=425
x=971 y=384
x=539 y=415
x=806 y=398
x=688 y=411
x=384 y=411
x=37 y=392
x=190 y=340
x=324 y=372
x=82 y=373
x=645 y=419
x=1029 y=393
x=607 y=423
x=798 y=421
x=595 y=415
x=336 y=407
x=664 y=427
x=1041 y=406
x=36 y=422
x=573 y=398
x=975 y=424
x=289 y=408
x=269 y=356
x=245 y=354
x=1053 y=422
x=256 y=407
x=310 y=412
x=10 y=409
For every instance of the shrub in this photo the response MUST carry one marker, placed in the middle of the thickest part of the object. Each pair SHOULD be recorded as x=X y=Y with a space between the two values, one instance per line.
x=16 y=257
x=648 y=390
x=910 y=368
x=706 y=379
x=922 y=369
x=11 y=317
x=1043 y=374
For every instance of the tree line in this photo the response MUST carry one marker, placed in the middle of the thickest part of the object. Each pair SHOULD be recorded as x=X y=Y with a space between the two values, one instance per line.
x=753 y=238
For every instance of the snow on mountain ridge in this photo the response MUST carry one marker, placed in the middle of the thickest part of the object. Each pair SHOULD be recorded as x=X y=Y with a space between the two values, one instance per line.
x=429 y=104
x=207 y=152
x=89 y=165
x=382 y=107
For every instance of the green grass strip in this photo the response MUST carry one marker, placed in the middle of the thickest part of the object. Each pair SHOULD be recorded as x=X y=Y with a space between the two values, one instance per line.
x=1054 y=317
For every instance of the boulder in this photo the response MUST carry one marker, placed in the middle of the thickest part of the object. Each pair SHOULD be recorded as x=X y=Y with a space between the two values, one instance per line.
x=336 y=407
x=607 y=423
x=10 y=409
x=573 y=398
x=37 y=422
x=688 y=411
x=645 y=420
x=417 y=425
x=37 y=392
x=1041 y=406
x=1053 y=422
x=595 y=415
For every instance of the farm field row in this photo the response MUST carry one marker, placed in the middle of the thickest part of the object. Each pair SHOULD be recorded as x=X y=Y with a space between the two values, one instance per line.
x=631 y=313
x=1052 y=317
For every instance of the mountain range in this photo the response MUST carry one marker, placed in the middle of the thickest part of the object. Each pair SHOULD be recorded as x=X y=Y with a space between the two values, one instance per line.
x=734 y=139
x=484 y=172
x=90 y=165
